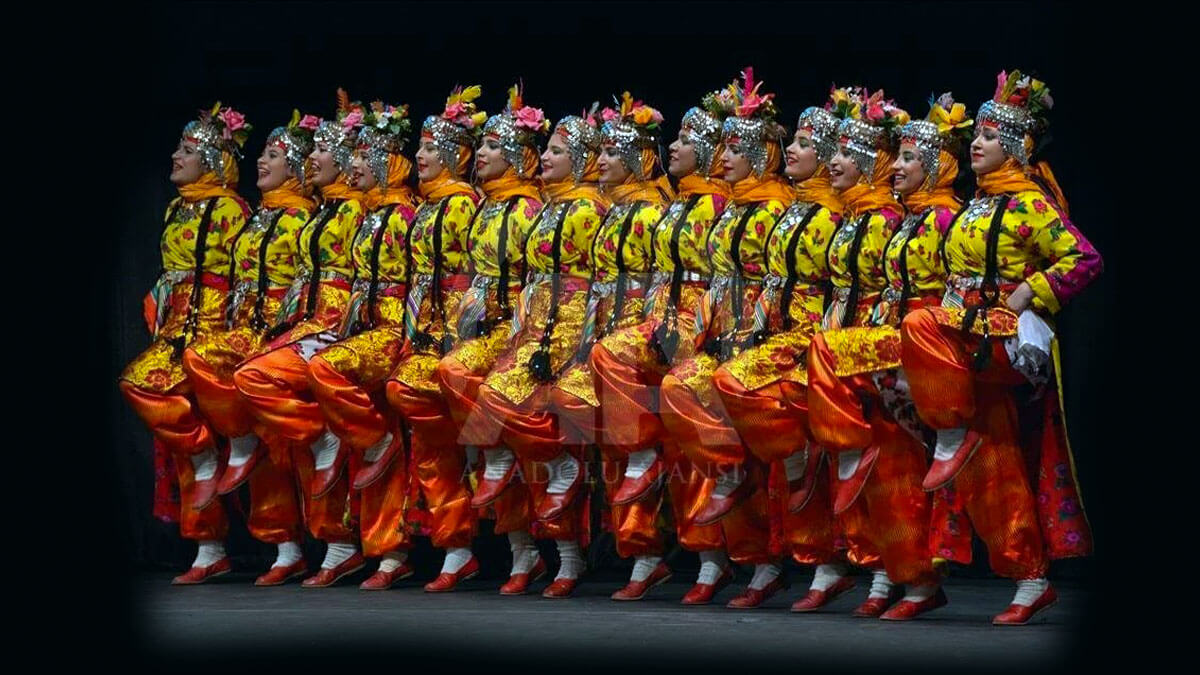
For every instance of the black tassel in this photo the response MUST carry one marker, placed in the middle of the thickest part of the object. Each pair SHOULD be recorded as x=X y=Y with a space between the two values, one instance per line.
x=664 y=342
x=983 y=355
x=969 y=318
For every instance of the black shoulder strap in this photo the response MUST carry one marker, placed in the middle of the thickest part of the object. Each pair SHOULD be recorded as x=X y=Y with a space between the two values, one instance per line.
x=946 y=236
x=376 y=245
x=860 y=230
x=539 y=362
x=676 y=257
x=739 y=278
x=790 y=260
x=257 y=321
x=905 y=287
x=314 y=254
x=192 y=321
x=502 y=244
x=622 y=266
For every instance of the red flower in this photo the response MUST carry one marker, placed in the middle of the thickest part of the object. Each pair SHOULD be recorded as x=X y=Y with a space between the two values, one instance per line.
x=1025 y=231
x=1039 y=206
x=188 y=234
x=1013 y=204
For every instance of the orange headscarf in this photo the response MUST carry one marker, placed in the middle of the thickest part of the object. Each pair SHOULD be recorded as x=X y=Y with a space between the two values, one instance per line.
x=444 y=185
x=874 y=195
x=289 y=195
x=208 y=185
x=396 y=191
x=816 y=190
x=340 y=188
x=510 y=184
x=1012 y=177
x=770 y=186
x=942 y=193
x=694 y=183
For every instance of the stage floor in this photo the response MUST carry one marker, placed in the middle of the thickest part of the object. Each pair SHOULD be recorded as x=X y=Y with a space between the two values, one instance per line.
x=476 y=623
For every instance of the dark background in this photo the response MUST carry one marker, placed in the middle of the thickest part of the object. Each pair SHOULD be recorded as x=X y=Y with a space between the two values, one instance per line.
x=266 y=58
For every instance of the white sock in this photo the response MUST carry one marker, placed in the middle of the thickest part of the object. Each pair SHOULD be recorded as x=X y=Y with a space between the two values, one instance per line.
x=455 y=559
x=289 y=554
x=497 y=462
x=372 y=453
x=763 y=575
x=570 y=556
x=392 y=560
x=881 y=585
x=711 y=565
x=241 y=449
x=827 y=575
x=564 y=469
x=337 y=554
x=920 y=593
x=793 y=464
x=948 y=441
x=1028 y=591
x=211 y=551
x=524 y=553
x=325 y=449
x=728 y=481
x=639 y=462
x=643 y=565
x=848 y=463
x=204 y=464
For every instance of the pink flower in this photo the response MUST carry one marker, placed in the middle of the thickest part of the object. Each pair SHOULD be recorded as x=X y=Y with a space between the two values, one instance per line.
x=608 y=114
x=544 y=248
x=453 y=111
x=875 y=112
x=352 y=120
x=233 y=119
x=310 y=122
x=530 y=118
x=1039 y=206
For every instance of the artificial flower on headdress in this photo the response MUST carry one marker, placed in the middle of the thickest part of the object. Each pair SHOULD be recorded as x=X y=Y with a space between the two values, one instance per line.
x=350 y=114
x=525 y=116
x=231 y=124
x=635 y=112
x=388 y=118
x=460 y=107
x=1022 y=91
x=883 y=112
x=846 y=102
x=741 y=100
x=950 y=117
x=589 y=115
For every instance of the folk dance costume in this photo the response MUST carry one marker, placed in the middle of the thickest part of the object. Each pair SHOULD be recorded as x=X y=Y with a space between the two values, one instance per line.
x=263 y=267
x=510 y=406
x=763 y=388
x=187 y=303
x=275 y=384
x=347 y=378
x=1013 y=260
x=691 y=408
x=859 y=407
x=439 y=281
x=506 y=162
x=629 y=363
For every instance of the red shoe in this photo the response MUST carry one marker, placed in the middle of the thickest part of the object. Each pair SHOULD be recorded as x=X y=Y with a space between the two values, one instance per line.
x=518 y=583
x=560 y=588
x=447 y=581
x=800 y=491
x=906 y=610
x=753 y=597
x=199 y=575
x=489 y=490
x=203 y=493
x=1019 y=615
x=277 y=576
x=633 y=489
x=636 y=590
x=717 y=508
x=369 y=473
x=324 y=479
x=942 y=472
x=874 y=607
x=814 y=599
x=233 y=476
x=325 y=578
x=702 y=594
x=381 y=581
x=552 y=506
x=848 y=490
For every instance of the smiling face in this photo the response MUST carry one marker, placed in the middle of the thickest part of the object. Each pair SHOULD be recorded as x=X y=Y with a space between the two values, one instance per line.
x=273 y=168
x=612 y=170
x=361 y=175
x=801 y=156
x=843 y=172
x=986 y=153
x=489 y=158
x=909 y=172
x=186 y=167
x=736 y=164
x=682 y=157
x=556 y=160
x=324 y=169
x=429 y=163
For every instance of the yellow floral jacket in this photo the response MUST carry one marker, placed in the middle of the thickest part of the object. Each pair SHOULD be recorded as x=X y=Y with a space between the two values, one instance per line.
x=430 y=312
x=878 y=228
x=379 y=251
x=268 y=244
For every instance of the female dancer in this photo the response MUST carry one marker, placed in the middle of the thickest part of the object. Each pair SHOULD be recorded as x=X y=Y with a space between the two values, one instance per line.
x=1014 y=260
x=187 y=303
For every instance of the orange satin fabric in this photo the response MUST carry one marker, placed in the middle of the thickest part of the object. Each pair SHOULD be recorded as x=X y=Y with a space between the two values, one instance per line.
x=381 y=510
x=836 y=415
x=173 y=417
x=346 y=403
x=438 y=462
x=275 y=502
x=329 y=517
x=628 y=395
x=510 y=184
x=993 y=487
x=769 y=423
x=527 y=430
x=276 y=390
x=216 y=395
x=208 y=185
